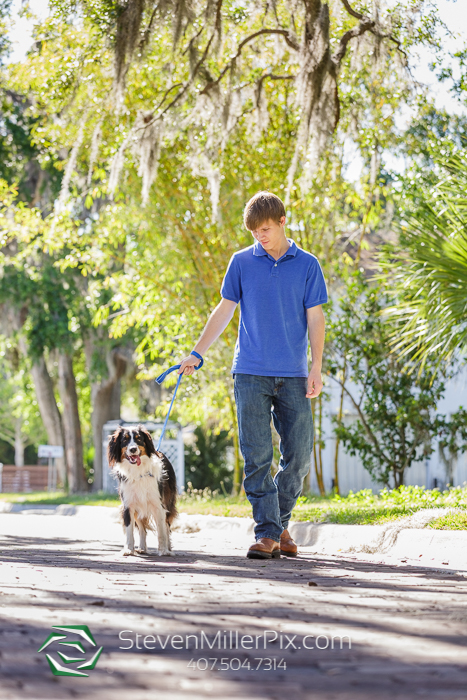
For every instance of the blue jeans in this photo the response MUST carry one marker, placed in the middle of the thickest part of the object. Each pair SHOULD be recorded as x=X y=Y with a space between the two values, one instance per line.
x=257 y=397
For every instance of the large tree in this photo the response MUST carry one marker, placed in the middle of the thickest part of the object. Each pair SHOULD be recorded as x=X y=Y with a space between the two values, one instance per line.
x=135 y=76
x=200 y=106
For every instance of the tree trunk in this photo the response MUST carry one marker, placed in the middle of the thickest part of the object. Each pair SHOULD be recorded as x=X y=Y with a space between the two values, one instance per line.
x=237 y=475
x=71 y=424
x=339 y=418
x=317 y=460
x=106 y=400
x=49 y=410
x=19 y=444
x=398 y=478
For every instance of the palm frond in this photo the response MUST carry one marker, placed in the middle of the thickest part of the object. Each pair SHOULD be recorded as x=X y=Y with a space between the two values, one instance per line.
x=428 y=275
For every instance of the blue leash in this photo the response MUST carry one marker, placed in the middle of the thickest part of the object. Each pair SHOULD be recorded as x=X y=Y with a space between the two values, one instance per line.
x=161 y=378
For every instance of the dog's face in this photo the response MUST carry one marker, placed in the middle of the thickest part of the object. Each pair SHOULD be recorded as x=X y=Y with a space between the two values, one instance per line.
x=130 y=443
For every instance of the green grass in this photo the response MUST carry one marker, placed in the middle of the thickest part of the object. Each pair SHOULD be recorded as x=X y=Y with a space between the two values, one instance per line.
x=312 y=509
x=56 y=498
x=361 y=508
x=452 y=521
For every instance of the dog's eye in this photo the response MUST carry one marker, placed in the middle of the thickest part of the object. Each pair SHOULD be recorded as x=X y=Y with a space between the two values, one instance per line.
x=139 y=439
x=126 y=439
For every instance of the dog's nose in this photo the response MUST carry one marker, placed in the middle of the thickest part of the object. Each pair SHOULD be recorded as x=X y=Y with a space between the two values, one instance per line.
x=133 y=449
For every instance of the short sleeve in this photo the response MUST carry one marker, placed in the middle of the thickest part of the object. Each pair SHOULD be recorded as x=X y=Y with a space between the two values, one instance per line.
x=315 y=289
x=231 y=286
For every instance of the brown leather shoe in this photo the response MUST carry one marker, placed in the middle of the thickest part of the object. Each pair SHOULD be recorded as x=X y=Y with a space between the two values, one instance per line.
x=264 y=548
x=287 y=545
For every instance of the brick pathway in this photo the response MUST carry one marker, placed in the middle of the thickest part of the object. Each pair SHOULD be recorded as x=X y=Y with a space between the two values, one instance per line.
x=407 y=624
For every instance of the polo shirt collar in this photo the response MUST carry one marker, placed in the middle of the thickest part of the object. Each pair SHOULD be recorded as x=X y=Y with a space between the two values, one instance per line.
x=259 y=250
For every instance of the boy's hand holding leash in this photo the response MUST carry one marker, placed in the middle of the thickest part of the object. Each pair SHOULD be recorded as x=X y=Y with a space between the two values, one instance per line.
x=199 y=362
x=189 y=364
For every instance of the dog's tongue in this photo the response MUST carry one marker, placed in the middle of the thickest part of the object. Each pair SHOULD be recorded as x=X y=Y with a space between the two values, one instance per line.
x=138 y=460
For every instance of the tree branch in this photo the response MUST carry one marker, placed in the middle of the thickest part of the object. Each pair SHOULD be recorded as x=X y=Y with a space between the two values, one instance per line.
x=197 y=66
x=365 y=25
x=271 y=76
x=147 y=32
x=7 y=437
x=281 y=32
x=351 y=11
x=398 y=44
x=189 y=81
x=164 y=97
x=365 y=424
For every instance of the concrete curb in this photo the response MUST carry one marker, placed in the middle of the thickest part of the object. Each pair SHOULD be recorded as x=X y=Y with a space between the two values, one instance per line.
x=403 y=539
x=435 y=548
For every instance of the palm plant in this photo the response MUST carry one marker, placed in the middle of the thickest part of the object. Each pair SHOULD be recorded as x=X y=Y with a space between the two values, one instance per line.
x=428 y=274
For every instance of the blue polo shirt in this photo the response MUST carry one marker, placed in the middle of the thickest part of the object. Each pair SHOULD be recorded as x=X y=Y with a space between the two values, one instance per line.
x=274 y=296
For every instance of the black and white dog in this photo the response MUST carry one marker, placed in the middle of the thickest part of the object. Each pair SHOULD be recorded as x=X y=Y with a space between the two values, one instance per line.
x=147 y=487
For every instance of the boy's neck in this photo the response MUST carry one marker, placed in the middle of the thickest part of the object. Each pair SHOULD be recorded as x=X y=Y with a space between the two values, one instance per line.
x=280 y=249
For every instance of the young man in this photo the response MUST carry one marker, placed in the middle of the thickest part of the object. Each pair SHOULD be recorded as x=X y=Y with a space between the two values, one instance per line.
x=280 y=288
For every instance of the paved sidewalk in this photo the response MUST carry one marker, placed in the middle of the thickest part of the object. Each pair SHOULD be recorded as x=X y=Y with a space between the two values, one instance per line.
x=407 y=624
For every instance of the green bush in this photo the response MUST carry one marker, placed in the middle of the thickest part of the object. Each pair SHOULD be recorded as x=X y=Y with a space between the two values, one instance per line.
x=206 y=460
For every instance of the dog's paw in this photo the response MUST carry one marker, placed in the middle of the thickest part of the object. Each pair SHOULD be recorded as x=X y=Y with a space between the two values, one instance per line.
x=127 y=552
x=165 y=553
x=138 y=550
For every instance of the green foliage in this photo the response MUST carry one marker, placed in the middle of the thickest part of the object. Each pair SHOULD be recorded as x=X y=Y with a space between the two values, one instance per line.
x=20 y=420
x=427 y=273
x=205 y=460
x=16 y=150
x=5 y=43
x=7 y=453
x=453 y=433
x=395 y=411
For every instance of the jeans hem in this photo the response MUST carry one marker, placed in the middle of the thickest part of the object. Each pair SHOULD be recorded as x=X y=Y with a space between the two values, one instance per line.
x=269 y=536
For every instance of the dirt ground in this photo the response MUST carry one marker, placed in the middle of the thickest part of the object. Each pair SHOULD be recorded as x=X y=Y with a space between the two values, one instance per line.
x=364 y=628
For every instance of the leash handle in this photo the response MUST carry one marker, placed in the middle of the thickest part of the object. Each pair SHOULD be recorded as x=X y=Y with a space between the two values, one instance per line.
x=161 y=378
x=165 y=374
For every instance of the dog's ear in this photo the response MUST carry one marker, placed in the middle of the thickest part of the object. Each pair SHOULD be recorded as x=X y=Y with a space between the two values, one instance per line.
x=148 y=441
x=114 y=449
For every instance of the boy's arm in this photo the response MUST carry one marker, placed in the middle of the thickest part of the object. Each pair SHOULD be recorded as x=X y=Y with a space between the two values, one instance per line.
x=315 y=321
x=217 y=323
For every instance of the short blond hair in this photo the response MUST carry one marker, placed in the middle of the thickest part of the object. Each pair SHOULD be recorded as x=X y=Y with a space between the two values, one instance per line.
x=262 y=207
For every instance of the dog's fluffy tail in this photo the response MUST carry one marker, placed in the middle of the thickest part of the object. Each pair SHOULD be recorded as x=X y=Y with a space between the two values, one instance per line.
x=168 y=488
